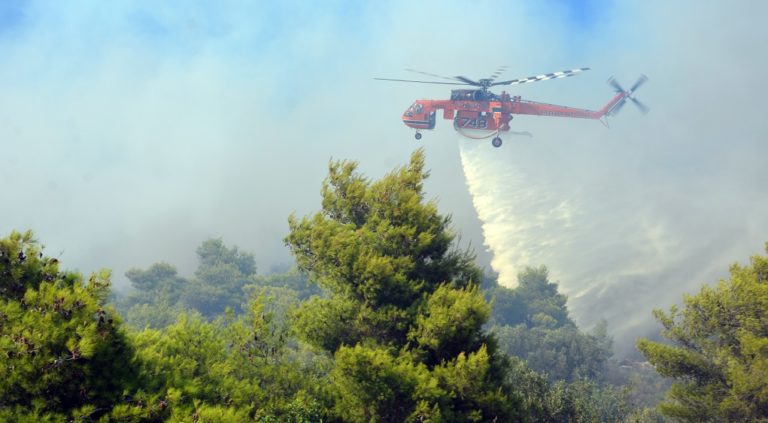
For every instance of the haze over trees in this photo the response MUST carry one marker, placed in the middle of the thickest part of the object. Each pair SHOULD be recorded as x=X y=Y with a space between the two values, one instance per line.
x=532 y=323
x=225 y=279
x=384 y=318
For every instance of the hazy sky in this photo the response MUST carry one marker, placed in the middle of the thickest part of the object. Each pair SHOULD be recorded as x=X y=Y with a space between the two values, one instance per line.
x=130 y=131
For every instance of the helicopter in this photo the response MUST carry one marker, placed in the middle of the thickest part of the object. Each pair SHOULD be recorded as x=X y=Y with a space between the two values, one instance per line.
x=478 y=113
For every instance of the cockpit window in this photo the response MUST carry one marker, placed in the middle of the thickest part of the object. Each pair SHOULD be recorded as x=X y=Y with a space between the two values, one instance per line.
x=415 y=109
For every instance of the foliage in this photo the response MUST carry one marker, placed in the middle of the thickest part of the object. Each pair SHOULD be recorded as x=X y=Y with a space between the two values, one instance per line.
x=450 y=323
x=292 y=279
x=160 y=295
x=63 y=351
x=531 y=321
x=397 y=333
x=157 y=314
x=160 y=279
x=646 y=387
x=564 y=353
x=719 y=356
x=534 y=301
x=230 y=370
x=221 y=274
x=646 y=415
x=156 y=300
x=378 y=243
x=579 y=401
x=213 y=255
x=373 y=384
x=225 y=278
x=404 y=315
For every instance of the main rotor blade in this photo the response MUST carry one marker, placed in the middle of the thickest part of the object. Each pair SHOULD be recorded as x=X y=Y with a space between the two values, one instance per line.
x=421 y=82
x=468 y=81
x=431 y=74
x=498 y=72
x=544 y=77
x=616 y=85
x=639 y=82
x=642 y=107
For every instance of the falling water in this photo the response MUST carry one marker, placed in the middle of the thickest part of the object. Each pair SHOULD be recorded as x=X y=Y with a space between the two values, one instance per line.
x=604 y=242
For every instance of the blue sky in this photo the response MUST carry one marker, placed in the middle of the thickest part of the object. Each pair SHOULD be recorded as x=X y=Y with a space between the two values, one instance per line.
x=245 y=31
x=11 y=14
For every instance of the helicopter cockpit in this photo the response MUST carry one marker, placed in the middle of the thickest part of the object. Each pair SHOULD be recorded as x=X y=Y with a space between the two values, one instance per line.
x=415 y=109
x=420 y=116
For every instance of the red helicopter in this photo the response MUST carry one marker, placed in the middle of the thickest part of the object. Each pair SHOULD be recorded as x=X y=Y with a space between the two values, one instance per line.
x=478 y=113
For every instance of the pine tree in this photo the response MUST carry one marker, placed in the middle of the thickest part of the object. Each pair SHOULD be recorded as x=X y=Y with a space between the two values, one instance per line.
x=719 y=356
x=63 y=351
x=404 y=316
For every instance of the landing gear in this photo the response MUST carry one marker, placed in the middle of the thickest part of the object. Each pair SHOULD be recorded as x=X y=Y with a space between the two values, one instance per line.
x=418 y=135
x=496 y=142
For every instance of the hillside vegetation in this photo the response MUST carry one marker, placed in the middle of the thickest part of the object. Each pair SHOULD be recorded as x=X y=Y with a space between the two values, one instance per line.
x=384 y=318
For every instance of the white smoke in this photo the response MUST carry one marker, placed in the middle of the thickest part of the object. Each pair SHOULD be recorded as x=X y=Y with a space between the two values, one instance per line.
x=632 y=218
x=618 y=248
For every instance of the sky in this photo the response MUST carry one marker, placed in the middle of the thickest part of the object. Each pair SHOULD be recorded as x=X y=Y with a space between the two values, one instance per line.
x=131 y=131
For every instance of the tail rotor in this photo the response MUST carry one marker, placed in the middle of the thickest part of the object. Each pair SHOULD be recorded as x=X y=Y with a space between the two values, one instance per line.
x=628 y=95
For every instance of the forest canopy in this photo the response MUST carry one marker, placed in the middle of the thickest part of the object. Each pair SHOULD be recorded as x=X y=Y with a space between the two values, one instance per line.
x=385 y=317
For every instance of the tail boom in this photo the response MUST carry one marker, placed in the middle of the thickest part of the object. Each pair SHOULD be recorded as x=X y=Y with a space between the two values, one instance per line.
x=612 y=104
x=525 y=107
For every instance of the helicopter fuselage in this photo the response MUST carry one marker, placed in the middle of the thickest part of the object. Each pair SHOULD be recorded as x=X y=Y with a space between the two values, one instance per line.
x=481 y=110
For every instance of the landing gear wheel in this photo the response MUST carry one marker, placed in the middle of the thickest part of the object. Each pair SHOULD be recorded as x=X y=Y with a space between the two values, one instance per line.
x=496 y=142
x=418 y=136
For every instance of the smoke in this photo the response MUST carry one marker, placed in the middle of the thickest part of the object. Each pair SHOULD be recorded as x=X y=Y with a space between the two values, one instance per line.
x=631 y=218
x=621 y=235
x=132 y=131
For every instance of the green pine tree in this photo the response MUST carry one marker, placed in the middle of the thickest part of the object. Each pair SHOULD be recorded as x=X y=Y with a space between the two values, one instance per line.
x=719 y=351
x=64 y=354
x=404 y=315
